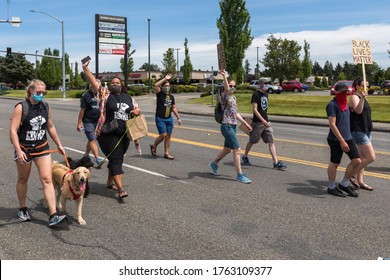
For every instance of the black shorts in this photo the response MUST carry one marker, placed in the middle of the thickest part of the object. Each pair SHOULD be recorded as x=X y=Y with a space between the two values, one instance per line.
x=336 y=153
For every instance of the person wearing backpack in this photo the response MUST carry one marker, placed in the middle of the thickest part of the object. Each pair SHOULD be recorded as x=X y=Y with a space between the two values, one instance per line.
x=228 y=129
x=30 y=121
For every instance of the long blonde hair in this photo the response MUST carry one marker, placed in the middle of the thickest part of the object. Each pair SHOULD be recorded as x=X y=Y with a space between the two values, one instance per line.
x=33 y=84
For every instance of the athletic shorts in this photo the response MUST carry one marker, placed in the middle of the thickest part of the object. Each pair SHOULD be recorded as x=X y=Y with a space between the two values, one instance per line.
x=361 y=137
x=336 y=153
x=259 y=130
x=41 y=153
x=89 y=130
x=229 y=132
x=164 y=125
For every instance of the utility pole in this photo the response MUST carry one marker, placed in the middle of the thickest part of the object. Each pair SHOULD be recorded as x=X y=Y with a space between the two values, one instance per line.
x=257 y=64
x=150 y=82
x=177 y=60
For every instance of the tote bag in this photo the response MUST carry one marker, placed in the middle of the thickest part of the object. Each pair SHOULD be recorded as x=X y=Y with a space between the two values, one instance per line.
x=137 y=127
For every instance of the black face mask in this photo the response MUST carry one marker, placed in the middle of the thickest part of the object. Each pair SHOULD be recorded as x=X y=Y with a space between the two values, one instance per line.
x=115 y=89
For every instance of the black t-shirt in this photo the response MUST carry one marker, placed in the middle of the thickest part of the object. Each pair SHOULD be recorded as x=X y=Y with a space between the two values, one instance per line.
x=164 y=105
x=33 y=129
x=119 y=107
x=89 y=102
x=261 y=98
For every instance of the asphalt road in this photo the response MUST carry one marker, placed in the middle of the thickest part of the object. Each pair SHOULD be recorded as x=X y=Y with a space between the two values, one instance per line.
x=179 y=210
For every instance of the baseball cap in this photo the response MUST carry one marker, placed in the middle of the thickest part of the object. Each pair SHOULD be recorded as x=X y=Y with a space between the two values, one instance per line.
x=341 y=87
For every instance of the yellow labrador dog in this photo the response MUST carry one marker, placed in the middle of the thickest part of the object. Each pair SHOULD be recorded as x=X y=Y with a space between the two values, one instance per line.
x=70 y=185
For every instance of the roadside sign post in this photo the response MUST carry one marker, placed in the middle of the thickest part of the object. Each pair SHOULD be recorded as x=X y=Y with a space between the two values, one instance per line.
x=362 y=54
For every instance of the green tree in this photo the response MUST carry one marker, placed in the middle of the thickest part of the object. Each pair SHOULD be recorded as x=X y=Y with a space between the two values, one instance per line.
x=16 y=68
x=317 y=69
x=282 y=58
x=77 y=80
x=306 y=62
x=247 y=68
x=58 y=68
x=328 y=70
x=187 y=67
x=169 y=62
x=130 y=60
x=234 y=33
x=47 y=71
x=153 y=67
x=324 y=81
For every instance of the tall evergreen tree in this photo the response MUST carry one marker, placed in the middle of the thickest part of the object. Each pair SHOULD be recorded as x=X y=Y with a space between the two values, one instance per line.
x=47 y=71
x=130 y=60
x=247 y=68
x=169 y=62
x=234 y=33
x=77 y=81
x=328 y=70
x=317 y=69
x=306 y=62
x=282 y=58
x=187 y=67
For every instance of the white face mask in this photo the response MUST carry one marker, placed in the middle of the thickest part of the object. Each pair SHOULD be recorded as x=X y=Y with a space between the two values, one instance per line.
x=166 y=89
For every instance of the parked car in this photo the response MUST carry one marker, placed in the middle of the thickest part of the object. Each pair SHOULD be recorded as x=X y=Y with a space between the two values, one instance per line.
x=4 y=87
x=271 y=88
x=136 y=85
x=293 y=85
x=349 y=83
x=385 y=84
x=268 y=87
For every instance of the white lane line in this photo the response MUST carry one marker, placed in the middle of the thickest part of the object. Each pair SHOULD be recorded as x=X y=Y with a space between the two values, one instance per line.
x=127 y=165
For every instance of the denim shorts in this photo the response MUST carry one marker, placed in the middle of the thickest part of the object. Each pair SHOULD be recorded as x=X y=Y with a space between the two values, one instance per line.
x=89 y=130
x=164 y=125
x=229 y=132
x=361 y=137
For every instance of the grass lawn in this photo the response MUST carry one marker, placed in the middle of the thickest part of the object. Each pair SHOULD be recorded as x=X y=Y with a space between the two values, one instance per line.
x=290 y=104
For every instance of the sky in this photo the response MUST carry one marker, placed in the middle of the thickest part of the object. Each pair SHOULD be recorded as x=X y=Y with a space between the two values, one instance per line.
x=328 y=26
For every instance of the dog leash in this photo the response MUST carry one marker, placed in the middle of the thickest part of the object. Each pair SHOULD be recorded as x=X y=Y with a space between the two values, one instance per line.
x=119 y=141
x=26 y=150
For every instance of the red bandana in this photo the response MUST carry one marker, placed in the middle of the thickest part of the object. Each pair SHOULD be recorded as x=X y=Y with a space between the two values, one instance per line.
x=342 y=101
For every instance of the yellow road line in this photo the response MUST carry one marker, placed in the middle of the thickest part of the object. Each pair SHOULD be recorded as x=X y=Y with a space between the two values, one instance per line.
x=262 y=155
x=277 y=139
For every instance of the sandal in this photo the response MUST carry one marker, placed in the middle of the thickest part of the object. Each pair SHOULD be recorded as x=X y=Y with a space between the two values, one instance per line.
x=354 y=183
x=366 y=187
x=122 y=194
x=168 y=157
x=112 y=187
x=153 y=151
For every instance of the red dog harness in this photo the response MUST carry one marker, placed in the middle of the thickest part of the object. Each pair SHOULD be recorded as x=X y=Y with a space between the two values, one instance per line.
x=75 y=196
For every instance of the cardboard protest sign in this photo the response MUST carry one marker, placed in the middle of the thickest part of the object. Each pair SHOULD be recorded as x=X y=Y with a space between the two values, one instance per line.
x=221 y=56
x=361 y=51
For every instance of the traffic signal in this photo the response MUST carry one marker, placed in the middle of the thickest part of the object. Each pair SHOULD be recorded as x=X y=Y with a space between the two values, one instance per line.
x=9 y=52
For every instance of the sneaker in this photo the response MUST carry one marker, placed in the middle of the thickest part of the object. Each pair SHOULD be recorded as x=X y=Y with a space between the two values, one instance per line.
x=214 y=168
x=56 y=219
x=280 y=165
x=245 y=160
x=348 y=190
x=24 y=214
x=99 y=162
x=337 y=192
x=243 y=179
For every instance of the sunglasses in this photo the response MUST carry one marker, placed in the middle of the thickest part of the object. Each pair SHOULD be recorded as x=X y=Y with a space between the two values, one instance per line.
x=232 y=86
x=39 y=93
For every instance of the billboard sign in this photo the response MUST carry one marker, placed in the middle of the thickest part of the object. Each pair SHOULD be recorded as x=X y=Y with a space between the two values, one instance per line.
x=110 y=34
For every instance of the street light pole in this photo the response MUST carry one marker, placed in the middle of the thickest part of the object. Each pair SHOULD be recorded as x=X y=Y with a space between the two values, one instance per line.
x=63 y=49
x=36 y=65
x=257 y=64
x=150 y=82
x=177 y=58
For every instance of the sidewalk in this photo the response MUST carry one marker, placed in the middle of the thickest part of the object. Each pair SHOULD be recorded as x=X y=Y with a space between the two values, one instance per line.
x=207 y=110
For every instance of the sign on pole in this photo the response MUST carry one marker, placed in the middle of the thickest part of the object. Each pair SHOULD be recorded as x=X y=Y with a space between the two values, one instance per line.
x=221 y=56
x=361 y=51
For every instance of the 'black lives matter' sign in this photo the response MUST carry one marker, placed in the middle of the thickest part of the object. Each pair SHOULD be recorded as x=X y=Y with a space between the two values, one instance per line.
x=361 y=51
